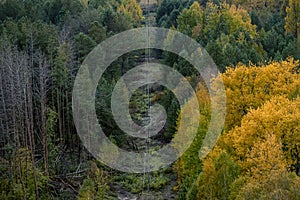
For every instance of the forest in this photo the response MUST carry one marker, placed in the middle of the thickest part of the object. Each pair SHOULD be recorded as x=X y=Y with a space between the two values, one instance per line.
x=255 y=45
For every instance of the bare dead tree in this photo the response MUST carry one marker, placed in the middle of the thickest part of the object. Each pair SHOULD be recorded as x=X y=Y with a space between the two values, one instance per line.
x=29 y=119
x=43 y=78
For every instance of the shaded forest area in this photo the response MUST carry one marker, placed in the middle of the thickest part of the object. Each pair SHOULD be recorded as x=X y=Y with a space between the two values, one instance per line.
x=254 y=43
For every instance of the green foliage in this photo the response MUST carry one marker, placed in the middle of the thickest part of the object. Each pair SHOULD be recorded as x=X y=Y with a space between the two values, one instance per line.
x=60 y=71
x=51 y=125
x=225 y=31
x=19 y=184
x=84 y=44
x=16 y=9
x=188 y=166
x=97 y=32
x=95 y=186
x=172 y=114
x=56 y=11
x=87 y=190
x=25 y=34
x=257 y=157
x=168 y=11
x=292 y=19
x=136 y=183
x=283 y=186
x=217 y=177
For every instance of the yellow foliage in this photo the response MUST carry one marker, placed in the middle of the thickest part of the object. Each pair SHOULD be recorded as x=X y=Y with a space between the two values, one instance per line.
x=249 y=87
x=263 y=114
x=263 y=137
x=85 y=3
x=240 y=18
x=278 y=186
x=133 y=9
x=265 y=158
x=279 y=117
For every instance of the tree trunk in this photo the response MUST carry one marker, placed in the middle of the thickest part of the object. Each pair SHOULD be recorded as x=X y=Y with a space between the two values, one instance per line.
x=43 y=101
x=59 y=115
x=29 y=119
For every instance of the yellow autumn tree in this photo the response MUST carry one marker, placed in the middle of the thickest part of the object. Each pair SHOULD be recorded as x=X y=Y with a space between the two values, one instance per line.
x=262 y=156
x=266 y=176
x=132 y=9
x=261 y=101
x=250 y=87
x=265 y=158
x=278 y=186
x=264 y=144
x=279 y=117
x=240 y=18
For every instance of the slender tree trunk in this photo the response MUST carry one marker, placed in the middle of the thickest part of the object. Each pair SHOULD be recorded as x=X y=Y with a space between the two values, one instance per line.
x=68 y=119
x=43 y=102
x=4 y=114
x=59 y=115
x=5 y=126
x=29 y=119
x=63 y=116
